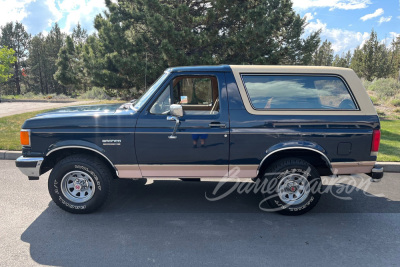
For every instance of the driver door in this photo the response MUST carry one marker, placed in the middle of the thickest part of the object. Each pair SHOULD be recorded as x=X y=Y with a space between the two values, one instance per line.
x=201 y=146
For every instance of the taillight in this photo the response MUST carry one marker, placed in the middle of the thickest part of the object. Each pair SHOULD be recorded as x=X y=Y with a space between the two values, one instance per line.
x=376 y=138
x=25 y=137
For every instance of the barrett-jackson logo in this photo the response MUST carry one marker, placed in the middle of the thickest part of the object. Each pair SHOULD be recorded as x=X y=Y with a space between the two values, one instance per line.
x=111 y=142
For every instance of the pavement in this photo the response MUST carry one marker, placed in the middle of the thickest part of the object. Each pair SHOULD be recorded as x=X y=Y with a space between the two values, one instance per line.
x=13 y=108
x=171 y=223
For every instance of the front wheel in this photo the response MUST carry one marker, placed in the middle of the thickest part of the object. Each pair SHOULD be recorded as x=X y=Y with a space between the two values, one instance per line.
x=79 y=184
x=295 y=186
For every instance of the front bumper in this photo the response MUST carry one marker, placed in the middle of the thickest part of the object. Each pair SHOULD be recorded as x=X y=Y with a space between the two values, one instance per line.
x=29 y=166
x=376 y=173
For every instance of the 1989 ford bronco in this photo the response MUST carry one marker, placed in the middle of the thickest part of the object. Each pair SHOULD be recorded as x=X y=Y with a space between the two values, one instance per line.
x=291 y=124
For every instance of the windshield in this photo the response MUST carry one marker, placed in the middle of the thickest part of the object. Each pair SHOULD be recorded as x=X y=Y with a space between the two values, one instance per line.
x=143 y=99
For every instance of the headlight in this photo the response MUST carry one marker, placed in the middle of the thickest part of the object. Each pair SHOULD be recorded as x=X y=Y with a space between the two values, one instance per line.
x=25 y=136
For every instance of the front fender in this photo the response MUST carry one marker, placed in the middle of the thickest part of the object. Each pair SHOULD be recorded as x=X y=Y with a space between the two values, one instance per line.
x=74 y=144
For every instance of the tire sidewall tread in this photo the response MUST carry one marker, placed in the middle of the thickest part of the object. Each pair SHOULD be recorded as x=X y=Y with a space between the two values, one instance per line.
x=294 y=163
x=91 y=165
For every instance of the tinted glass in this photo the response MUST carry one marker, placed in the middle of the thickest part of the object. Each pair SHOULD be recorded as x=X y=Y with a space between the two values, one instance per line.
x=143 y=99
x=197 y=95
x=297 y=92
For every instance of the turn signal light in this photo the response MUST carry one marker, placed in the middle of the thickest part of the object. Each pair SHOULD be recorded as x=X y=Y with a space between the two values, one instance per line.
x=25 y=137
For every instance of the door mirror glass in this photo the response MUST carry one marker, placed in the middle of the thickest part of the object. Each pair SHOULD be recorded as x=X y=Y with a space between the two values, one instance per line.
x=176 y=110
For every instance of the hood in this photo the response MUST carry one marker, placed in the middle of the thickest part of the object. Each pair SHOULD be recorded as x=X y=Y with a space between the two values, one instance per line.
x=90 y=116
x=110 y=108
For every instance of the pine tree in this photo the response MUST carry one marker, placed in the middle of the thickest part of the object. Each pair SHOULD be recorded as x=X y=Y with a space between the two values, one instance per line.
x=342 y=61
x=372 y=60
x=66 y=65
x=324 y=55
x=14 y=36
x=162 y=33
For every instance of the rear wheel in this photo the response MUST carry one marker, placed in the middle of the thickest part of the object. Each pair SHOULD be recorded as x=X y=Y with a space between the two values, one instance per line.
x=80 y=184
x=294 y=186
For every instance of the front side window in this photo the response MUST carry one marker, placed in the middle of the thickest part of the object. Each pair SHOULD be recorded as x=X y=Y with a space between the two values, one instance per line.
x=197 y=95
x=298 y=92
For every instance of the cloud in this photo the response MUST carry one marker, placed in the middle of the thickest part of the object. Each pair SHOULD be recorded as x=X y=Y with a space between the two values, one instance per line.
x=342 y=40
x=388 y=40
x=39 y=16
x=331 y=4
x=377 y=13
x=80 y=11
x=384 y=19
x=309 y=16
x=13 y=10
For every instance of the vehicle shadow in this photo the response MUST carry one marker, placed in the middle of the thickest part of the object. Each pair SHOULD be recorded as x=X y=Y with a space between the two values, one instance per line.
x=172 y=223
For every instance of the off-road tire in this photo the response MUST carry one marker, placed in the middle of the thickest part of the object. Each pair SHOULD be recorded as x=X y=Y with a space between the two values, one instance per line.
x=288 y=168
x=88 y=167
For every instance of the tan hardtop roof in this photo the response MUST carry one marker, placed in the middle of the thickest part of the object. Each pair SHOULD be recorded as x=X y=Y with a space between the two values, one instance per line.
x=289 y=69
x=355 y=85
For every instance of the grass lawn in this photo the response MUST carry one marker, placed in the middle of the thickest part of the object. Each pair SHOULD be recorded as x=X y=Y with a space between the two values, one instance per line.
x=389 y=149
x=11 y=125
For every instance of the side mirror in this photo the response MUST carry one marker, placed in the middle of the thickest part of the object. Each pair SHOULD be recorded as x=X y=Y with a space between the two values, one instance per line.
x=176 y=110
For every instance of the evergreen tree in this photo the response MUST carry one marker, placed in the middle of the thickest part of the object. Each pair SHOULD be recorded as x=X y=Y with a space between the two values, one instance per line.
x=14 y=36
x=157 y=34
x=66 y=72
x=372 y=60
x=324 y=55
x=342 y=61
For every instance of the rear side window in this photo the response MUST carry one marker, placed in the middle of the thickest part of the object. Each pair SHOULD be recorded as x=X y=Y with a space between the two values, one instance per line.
x=298 y=92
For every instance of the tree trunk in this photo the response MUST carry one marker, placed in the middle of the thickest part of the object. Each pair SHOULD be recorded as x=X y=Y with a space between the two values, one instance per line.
x=17 y=85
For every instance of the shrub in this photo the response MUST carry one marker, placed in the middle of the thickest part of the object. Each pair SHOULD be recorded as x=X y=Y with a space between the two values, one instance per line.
x=374 y=99
x=60 y=96
x=366 y=84
x=395 y=102
x=95 y=93
x=385 y=88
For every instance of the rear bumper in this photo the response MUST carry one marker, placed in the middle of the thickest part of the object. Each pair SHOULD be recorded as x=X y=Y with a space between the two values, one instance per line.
x=376 y=173
x=29 y=166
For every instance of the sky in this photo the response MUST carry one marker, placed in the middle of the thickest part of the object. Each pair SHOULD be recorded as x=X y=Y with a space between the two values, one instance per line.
x=345 y=23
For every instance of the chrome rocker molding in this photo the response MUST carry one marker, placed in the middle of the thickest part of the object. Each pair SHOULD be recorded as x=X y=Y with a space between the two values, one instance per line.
x=87 y=148
x=29 y=166
x=296 y=147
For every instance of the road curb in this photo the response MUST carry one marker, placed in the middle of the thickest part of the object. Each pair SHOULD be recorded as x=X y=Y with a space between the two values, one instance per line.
x=390 y=166
x=9 y=155
x=387 y=166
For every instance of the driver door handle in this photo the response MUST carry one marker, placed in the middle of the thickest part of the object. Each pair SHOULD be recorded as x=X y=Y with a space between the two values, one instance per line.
x=217 y=124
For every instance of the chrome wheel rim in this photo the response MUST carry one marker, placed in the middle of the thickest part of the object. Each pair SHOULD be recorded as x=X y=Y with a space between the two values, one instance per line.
x=78 y=186
x=293 y=189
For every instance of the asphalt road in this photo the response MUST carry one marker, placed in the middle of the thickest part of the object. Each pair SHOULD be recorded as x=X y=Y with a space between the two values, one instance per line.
x=170 y=223
x=12 y=108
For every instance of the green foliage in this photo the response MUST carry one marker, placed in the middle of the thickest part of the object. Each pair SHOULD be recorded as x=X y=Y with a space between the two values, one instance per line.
x=14 y=36
x=385 y=88
x=43 y=54
x=342 y=61
x=95 y=93
x=389 y=149
x=138 y=39
x=372 y=60
x=374 y=99
x=395 y=102
x=6 y=59
x=324 y=55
